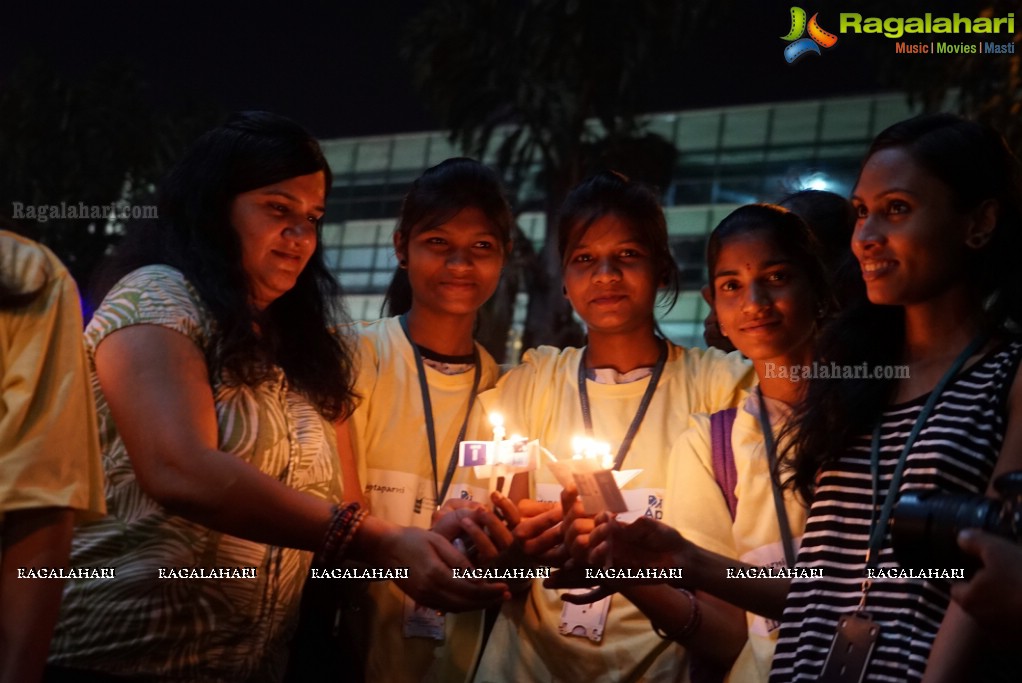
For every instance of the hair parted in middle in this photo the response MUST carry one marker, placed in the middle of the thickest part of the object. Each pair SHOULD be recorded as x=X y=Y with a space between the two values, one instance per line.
x=789 y=232
x=612 y=193
x=193 y=234
x=437 y=196
x=975 y=166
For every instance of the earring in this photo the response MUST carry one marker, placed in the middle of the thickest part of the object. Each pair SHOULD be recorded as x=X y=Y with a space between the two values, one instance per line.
x=403 y=264
x=976 y=241
x=721 y=328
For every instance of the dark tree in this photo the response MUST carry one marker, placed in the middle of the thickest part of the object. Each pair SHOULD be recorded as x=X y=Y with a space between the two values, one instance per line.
x=91 y=140
x=984 y=87
x=552 y=88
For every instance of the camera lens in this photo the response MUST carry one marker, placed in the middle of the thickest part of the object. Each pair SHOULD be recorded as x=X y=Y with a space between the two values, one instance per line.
x=925 y=526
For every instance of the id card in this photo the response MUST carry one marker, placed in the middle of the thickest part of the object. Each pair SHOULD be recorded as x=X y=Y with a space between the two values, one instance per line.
x=599 y=492
x=421 y=621
x=851 y=649
x=585 y=621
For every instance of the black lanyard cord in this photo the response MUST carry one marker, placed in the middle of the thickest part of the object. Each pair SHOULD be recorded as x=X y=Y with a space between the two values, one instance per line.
x=771 y=453
x=440 y=493
x=876 y=539
x=647 y=398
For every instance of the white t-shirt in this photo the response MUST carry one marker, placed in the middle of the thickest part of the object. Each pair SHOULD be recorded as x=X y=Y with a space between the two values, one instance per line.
x=388 y=433
x=539 y=399
x=700 y=512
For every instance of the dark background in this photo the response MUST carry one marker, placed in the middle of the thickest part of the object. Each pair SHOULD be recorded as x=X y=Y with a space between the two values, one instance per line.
x=335 y=66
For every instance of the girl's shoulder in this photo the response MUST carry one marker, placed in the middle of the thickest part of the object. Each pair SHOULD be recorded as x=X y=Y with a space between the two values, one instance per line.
x=490 y=369
x=1009 y=359
x=999 y=368
x=376 y=344
x=376 y=331
x=698 y=364
x=541 y=368
x=550 y=358
x=25 y=266
x=155 y=277
x=695 y=355
x=1012 y=347
x=155 y=294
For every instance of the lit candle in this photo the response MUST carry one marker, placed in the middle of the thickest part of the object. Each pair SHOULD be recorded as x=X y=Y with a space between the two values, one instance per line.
x=497 y=420
x=591 y=449
x=578 y=447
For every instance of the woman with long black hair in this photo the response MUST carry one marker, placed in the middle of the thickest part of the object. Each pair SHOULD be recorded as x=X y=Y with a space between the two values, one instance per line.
x=218 y=381
x=937 y=235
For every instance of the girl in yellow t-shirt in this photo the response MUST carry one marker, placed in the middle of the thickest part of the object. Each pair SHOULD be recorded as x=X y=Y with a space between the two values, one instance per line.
x=628 y=387
x=418 y=373
x=770 y=294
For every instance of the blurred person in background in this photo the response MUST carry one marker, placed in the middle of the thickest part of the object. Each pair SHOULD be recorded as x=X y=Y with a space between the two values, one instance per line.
x=50 y=470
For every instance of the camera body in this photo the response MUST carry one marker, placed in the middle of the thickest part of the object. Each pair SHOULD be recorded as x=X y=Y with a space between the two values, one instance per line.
x=925 y=524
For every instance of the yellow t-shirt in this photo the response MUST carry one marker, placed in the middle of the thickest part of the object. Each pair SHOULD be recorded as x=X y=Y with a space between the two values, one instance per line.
x=539 y=399
x=49 y=448
x=700 y=513
x=388 y=433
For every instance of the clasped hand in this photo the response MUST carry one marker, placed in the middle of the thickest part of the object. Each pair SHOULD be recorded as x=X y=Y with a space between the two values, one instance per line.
x=603 y=541
x=431 y=558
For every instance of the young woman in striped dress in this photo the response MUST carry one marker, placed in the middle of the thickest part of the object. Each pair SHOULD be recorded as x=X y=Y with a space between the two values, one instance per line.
x=938 y=225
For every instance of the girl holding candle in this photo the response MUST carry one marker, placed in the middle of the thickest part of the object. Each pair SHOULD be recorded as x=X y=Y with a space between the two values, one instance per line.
x=770 y=294
x=217 y=383
x=939 y=228
x=418 y=374
x=629 y=387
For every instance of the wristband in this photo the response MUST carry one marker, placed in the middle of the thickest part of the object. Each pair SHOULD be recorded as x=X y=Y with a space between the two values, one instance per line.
x=344 y=522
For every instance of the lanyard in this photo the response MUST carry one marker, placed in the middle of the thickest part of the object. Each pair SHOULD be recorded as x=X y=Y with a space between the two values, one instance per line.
x=876 y=539
x=771 y=452
x=587 y=416
x=427 y=407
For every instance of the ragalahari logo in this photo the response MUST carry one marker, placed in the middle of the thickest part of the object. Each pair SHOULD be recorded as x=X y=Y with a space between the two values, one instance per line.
x=800 y=46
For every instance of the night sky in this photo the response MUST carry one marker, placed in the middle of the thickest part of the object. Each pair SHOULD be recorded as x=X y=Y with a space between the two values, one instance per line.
x=335 y=67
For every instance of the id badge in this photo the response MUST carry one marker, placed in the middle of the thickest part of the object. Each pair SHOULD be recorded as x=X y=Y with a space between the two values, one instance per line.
x=421 y=621
x=584 y=621
x=851 y=649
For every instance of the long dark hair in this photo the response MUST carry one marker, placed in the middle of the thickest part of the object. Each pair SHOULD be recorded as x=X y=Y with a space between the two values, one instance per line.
x=831 y=219
x=609 y=192
x=974 y=163
x=437 y=196
x=194 y=235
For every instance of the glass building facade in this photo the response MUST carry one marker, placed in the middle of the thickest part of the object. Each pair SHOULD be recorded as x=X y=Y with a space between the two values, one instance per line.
x=726 y=157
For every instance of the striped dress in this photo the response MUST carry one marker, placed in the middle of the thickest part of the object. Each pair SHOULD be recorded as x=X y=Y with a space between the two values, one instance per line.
x=192 y=629
x=955 y=452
